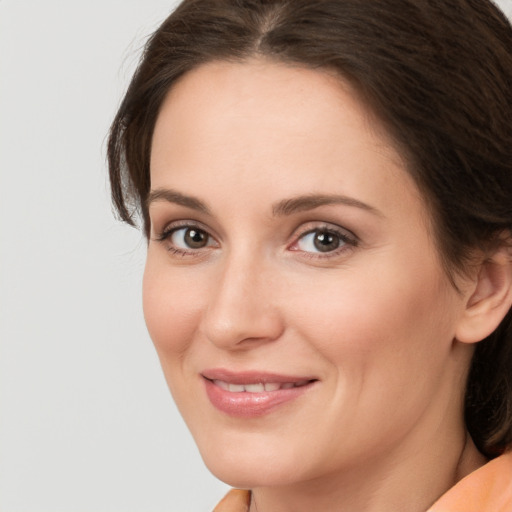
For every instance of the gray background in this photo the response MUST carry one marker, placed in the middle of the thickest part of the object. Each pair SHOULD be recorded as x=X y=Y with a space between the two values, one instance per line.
x=86 y=421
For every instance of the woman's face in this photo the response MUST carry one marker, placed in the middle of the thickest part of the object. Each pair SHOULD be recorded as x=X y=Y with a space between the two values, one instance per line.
x=292 y=289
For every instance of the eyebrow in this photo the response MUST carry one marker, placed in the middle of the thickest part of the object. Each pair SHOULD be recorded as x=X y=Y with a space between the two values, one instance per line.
x=282 y=208
x=172 y=196
x=312 y=201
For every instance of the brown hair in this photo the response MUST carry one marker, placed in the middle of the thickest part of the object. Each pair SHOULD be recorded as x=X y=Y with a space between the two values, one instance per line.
x=437 y=73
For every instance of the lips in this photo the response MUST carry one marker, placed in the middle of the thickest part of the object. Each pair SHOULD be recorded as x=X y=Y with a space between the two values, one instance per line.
x=251 y=394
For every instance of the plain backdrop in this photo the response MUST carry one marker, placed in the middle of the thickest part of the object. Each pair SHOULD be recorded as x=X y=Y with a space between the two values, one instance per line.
x=86 y=421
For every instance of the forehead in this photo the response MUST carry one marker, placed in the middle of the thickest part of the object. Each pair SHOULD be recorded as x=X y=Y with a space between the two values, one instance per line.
x=257 y=124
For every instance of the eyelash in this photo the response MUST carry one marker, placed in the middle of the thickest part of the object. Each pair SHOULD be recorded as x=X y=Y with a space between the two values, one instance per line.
x=168 y=231
x=348 y=240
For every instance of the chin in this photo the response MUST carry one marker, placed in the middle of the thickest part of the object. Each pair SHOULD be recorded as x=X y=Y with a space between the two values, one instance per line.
x=249 y=474
x=260 y=463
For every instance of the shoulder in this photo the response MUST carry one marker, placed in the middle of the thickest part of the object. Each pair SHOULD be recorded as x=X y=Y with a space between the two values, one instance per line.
x=488 y=489
x=236 y=500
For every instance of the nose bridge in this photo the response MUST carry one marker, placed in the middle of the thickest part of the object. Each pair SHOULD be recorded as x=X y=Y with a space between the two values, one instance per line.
x=241 y=306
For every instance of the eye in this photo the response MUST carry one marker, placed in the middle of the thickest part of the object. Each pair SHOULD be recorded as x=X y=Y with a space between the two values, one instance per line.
x=186 y=239
x=324 y=240
x=320 y=240
x=189 y=238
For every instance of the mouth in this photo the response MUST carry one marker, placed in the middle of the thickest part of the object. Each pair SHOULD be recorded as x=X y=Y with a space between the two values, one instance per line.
x=258 y=387
x=252 y=394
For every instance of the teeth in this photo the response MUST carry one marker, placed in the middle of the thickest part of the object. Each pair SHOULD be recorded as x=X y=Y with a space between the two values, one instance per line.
x=221 y=384
x=258 y=387
x=254 y=388
x=236 y=388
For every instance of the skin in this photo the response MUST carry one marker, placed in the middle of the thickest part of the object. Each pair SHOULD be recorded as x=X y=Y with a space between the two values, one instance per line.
x=375 y=321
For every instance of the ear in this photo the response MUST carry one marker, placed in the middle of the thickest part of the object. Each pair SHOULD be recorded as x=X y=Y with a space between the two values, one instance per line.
x=490 y=298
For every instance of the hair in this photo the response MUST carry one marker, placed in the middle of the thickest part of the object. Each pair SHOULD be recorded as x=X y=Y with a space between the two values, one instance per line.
x=436 y=73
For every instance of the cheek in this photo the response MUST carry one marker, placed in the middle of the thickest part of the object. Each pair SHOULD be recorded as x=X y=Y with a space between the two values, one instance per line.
x=378 y=337
x=171 y=309
x=384 y=326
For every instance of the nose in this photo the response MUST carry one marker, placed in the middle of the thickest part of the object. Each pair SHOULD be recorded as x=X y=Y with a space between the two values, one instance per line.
x=241 y=312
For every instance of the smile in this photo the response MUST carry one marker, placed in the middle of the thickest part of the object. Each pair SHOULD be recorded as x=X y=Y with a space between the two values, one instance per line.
x=251 y=394
x=259 y=387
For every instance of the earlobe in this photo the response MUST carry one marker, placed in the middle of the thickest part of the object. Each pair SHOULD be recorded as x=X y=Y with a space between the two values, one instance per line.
x=490 y=299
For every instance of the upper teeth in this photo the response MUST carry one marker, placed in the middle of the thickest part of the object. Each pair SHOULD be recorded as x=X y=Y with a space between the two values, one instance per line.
x=258 y=387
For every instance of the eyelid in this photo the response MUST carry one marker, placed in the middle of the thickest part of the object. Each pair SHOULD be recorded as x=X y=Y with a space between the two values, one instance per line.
x=164 y=237
x=348 y=237
x=171 y=227
x=312 y=226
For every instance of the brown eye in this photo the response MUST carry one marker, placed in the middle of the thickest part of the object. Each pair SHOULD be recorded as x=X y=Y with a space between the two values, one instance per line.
x=325 y=241
x=195 y=238
x=321 y=241
x=187 y=238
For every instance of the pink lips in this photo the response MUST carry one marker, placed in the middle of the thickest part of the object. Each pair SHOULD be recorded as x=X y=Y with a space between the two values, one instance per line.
x=251 y=394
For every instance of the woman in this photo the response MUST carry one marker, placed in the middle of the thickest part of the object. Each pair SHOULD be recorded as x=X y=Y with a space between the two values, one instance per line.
x=326 y=189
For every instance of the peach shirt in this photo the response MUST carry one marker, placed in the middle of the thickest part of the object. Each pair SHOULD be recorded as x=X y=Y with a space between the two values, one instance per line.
x=488 y=489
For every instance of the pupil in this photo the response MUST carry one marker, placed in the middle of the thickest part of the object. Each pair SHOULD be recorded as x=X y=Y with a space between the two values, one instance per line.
x=195 y=239
x=326 y=242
